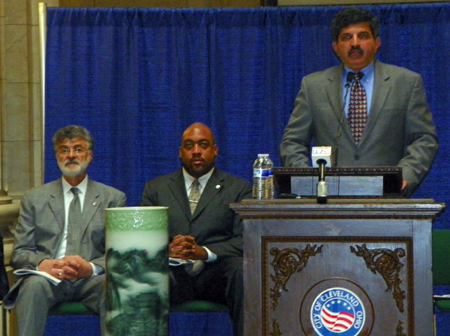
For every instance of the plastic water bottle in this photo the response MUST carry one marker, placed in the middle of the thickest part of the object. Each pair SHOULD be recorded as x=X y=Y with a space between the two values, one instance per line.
x=263 y=177
x=260 y=175
x=269 y=192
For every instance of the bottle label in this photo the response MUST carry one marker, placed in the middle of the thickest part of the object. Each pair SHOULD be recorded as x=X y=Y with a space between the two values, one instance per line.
x=262 y=173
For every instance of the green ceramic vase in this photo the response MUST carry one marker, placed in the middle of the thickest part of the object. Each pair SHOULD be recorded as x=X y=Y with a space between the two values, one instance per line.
x=137 y=271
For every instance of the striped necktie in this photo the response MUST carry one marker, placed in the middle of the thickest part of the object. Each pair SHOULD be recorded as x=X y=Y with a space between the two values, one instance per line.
x=197 y=265
x=194 y=196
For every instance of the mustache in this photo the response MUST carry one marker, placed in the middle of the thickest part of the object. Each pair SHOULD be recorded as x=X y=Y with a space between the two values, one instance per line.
x=358 y=49
x=70 y=161
x=197 y=159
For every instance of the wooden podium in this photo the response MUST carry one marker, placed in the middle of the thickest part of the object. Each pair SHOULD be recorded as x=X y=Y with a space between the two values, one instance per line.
x=351 y=267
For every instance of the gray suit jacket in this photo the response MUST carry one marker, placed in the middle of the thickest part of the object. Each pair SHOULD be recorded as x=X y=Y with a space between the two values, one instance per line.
x=40 y=227
x=213 y=223
x=399 y=130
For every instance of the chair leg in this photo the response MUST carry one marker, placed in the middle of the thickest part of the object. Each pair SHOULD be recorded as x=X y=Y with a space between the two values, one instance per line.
x=434 y=325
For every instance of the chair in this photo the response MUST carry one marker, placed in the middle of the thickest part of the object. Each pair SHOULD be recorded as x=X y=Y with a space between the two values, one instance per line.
x=441 y=279
x=4 y=286
x=200 y=318
x=192 y=318
x=65 y=319
x=72 y=319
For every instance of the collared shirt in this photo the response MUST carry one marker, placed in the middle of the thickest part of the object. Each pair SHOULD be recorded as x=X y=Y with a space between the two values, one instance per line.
x=367 y=82
x=202 y=181
x=68 y=196
x=188 y=179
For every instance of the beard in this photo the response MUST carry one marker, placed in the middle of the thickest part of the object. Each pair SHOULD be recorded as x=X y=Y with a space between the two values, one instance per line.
x=197 y=171
x=70 y=172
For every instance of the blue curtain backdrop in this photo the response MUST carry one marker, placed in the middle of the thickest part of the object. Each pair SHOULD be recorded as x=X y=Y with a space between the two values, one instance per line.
x=136 y=78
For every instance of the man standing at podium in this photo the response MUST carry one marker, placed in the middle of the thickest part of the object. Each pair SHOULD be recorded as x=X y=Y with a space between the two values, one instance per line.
x=371 y=113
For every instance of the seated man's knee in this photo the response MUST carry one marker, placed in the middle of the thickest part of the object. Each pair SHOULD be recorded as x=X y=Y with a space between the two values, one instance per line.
x=35 y=282
x=235 y=268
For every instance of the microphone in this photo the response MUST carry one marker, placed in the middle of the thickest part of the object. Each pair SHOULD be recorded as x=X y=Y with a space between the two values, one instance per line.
x=321 y=153
x=321 y=158
x=350 y=78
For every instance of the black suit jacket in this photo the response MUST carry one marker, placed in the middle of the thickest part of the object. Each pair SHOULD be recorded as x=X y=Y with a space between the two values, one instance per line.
x=213 y=223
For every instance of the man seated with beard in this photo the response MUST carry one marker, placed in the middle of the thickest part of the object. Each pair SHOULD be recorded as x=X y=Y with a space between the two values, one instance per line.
x=61 y=231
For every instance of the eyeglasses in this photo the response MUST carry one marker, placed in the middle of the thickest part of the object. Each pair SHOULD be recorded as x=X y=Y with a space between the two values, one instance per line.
x=77 y=151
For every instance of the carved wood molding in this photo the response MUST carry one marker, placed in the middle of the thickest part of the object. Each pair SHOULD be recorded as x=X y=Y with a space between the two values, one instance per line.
x=400 y=329
x=275 y=328
x=337 y=208
x=387 y=263
x=287 y=262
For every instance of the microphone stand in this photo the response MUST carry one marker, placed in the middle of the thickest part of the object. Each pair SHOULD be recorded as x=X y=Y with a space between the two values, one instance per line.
x=322 y=190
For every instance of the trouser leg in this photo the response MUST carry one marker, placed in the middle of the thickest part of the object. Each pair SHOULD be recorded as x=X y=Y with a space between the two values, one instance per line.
x=91 y=292
x=36 y=296
x=222 y=282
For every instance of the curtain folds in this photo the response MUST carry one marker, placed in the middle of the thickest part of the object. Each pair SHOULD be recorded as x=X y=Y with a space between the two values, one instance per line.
x=136 y=78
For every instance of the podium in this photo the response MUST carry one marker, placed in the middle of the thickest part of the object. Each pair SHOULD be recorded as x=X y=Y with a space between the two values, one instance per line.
x=342 y=181
x=349 y=267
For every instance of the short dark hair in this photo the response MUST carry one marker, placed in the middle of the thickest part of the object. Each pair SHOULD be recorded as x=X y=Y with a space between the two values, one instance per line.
x=350 y=16
x=72 y=132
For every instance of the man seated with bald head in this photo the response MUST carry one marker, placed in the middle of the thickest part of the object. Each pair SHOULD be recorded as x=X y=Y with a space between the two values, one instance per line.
x=202 y=227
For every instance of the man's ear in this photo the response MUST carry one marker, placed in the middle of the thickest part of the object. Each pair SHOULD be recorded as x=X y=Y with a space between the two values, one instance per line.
x=378 y=43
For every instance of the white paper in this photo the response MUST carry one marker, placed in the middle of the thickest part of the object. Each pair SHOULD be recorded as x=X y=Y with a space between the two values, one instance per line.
x=178 y=262
x=50 y=278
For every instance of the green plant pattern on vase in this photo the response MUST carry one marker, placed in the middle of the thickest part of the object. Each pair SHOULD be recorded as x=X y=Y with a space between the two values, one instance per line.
x=137 y=271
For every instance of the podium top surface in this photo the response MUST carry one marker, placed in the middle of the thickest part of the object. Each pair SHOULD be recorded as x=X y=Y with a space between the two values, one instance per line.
x=339 y=200
x=358 y=171
x=340 y=208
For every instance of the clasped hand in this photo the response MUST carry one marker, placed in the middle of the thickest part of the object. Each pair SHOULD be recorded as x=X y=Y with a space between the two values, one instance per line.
x=69 y=268
x=185 y=247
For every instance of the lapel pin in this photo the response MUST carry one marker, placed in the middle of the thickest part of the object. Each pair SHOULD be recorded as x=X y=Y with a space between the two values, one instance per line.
x=218 y=186
x=94 y=204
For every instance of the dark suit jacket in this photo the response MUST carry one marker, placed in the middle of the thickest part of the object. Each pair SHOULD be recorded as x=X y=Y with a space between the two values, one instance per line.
x=213 y=223
x=40 y=227
x=399 y=129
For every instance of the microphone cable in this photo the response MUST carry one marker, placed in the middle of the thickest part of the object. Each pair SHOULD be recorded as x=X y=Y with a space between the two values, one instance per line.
x=350 y=78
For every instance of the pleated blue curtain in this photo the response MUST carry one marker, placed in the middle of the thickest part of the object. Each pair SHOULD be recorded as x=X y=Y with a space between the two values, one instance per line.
x=136 y=78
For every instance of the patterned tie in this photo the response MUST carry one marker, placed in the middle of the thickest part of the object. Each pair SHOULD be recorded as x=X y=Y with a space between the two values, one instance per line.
x=357 y=110
x=74 y=225
x=197 y=265
x=194 y=196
